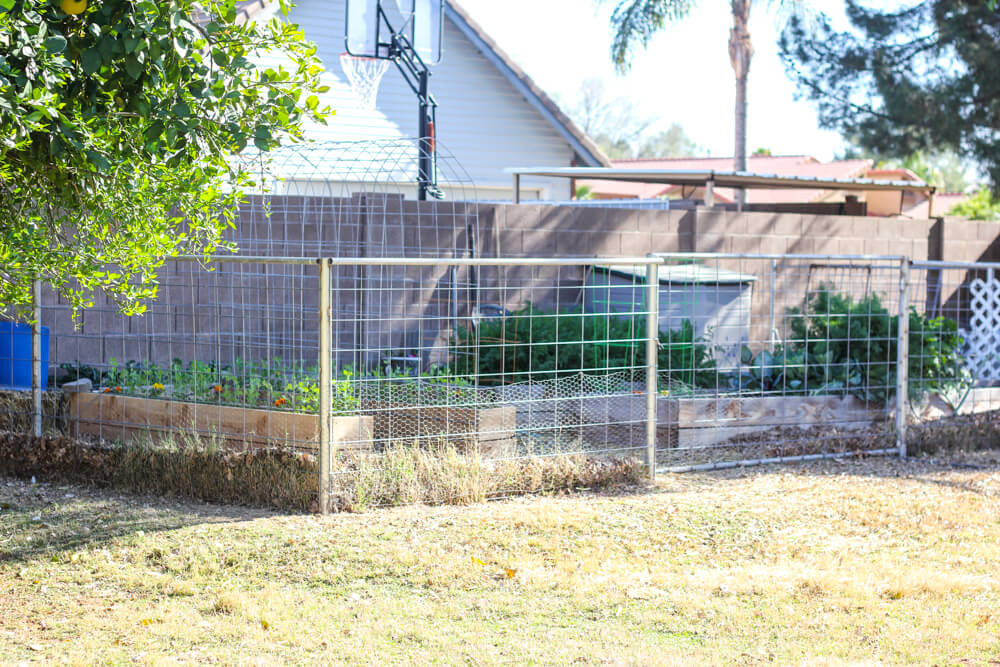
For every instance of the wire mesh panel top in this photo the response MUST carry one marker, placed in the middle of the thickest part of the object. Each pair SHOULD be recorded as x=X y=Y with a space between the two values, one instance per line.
x=355 y=199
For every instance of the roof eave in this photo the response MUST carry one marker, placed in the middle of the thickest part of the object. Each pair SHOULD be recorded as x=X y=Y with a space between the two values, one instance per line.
x=583 y=145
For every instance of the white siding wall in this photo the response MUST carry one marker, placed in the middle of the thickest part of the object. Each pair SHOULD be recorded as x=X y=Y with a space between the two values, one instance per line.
x=482 y=119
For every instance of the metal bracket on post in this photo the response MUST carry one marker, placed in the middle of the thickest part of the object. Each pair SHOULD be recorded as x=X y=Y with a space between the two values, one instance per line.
x=903 y=356
x=36 y=359
x=652 y=354
x=325 y=382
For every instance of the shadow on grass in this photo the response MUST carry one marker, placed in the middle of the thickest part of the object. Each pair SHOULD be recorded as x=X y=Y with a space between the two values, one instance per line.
x=53 y=520
x=925 y=470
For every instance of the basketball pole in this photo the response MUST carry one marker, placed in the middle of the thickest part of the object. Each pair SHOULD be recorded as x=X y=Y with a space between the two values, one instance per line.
x=417 y=74
x=425 y=175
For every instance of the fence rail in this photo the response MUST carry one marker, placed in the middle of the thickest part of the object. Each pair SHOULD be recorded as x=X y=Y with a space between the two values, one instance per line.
x=690 y=361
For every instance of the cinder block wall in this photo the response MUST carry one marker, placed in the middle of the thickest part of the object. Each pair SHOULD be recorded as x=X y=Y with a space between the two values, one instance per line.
x=425 y=300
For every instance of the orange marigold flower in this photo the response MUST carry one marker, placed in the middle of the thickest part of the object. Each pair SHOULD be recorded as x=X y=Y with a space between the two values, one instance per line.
x=280 y=401
x=217 y=389
x=118 y=389
x=107 y=390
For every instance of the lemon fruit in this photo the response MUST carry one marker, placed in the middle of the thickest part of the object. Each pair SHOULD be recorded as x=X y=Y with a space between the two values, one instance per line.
x=73 y=6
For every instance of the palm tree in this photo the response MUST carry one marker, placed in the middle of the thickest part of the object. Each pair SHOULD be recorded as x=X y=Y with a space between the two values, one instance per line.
x=639 y=20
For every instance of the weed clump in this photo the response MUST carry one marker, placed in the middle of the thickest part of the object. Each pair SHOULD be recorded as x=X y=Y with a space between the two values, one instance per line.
x=445 y=475
x=288 y=479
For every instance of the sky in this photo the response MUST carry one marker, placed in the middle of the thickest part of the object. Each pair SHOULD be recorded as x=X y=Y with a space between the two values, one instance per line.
x=684 y=76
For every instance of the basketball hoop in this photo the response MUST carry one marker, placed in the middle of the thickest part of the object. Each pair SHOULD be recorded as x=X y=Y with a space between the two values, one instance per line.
x=364 y=75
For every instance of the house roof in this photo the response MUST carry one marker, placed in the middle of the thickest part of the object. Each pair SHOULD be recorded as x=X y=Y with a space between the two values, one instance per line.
x=795 y=166
x=582 y=144
x=586 y=149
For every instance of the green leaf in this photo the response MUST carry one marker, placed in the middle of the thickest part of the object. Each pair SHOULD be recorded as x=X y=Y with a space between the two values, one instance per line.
x=154 y=130
x=98 y=161
x=120 y=185
x=7 y=5
x=91 y=60
x=133 y=67
x=55 y=43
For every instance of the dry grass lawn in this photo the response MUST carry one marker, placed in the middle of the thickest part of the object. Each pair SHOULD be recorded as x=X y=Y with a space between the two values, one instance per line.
x=854 y=562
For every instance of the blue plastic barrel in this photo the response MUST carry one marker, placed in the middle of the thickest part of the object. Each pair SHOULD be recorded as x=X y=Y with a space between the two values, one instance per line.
x=15 y=356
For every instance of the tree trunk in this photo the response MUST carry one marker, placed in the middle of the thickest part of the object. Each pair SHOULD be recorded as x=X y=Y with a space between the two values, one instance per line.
x=740 y=54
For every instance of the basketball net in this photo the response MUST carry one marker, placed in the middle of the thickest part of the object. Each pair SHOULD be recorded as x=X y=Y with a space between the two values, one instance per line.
x=364 y=75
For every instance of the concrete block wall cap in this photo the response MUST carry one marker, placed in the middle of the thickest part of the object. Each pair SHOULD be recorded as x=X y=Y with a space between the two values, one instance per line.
x=78 y=386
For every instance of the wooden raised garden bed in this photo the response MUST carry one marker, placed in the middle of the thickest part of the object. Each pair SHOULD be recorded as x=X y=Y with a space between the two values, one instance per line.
x=705 y=422
x=131 y=419
x=697 y=422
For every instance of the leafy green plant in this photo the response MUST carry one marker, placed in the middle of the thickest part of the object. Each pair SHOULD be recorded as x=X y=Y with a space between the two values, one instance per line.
x=535 y=344
x=77 y=371
x=983 y=205
x=276 y=384
x=842 y=346
x=686 y=359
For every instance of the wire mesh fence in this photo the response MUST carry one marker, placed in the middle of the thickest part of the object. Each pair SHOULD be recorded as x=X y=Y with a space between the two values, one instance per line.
x=955 y=339
x=512 y=359
x=355 y=199
x=350 y=359
x=227 y=355
x=684 y=361
x=776 y=358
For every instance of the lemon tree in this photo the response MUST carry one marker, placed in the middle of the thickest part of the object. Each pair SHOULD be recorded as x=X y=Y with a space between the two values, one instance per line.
x=118 y=128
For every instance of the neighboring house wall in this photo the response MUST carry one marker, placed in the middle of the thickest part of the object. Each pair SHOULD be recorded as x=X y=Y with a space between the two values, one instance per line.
x=482 y=119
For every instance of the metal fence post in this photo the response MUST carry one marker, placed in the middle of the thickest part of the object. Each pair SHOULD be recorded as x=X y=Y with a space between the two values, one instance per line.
x=36 y=359
x=652 y=353
x=770 y=331
x=325 y=381
x=903 y=355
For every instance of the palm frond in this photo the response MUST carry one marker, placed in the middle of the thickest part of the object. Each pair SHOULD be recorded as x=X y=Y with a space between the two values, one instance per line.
x=636 y=21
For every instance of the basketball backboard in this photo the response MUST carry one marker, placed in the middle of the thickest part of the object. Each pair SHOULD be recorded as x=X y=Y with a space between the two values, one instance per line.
x=370 y=25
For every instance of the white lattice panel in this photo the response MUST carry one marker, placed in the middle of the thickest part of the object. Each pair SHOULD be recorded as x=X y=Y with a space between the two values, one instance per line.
x=982 y=338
